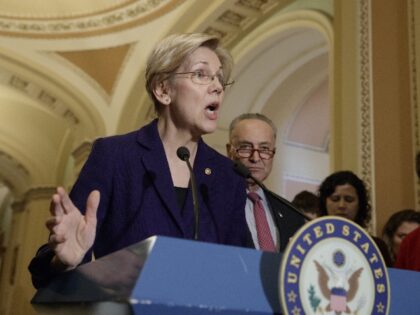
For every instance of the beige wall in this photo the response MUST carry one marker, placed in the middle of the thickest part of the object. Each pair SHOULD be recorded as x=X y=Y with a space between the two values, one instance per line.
x=372 y=116
x=392 y=109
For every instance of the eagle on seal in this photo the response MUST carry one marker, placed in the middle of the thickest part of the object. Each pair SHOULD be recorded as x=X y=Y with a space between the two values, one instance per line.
x=337 y=295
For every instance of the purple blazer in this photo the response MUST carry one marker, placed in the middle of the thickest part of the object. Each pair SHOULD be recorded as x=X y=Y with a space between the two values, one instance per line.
x=138 y=198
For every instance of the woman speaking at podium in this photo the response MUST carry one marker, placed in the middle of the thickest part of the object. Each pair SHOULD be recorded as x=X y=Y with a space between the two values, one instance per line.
x=134 y=186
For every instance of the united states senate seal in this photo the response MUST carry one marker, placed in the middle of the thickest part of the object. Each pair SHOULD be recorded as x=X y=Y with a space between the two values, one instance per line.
x=332 y=266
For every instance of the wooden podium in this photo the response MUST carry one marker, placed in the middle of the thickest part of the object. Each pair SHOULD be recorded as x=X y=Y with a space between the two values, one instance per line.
x=163 y=275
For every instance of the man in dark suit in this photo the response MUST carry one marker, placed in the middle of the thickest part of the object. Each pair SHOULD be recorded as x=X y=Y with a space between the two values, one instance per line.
x=252 y=139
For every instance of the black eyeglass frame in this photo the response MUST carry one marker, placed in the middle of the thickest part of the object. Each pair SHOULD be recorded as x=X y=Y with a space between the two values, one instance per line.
x=194 y=74
x=248 y=152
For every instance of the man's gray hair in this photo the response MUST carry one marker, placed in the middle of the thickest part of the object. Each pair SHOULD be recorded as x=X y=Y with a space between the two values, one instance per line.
x=251 y=116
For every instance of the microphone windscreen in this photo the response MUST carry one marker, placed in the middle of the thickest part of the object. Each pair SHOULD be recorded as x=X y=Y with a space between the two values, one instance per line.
x=241 y=169
x=183 y=153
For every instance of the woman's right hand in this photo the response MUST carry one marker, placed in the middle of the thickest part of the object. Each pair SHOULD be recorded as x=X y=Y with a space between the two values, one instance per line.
x=71 y=233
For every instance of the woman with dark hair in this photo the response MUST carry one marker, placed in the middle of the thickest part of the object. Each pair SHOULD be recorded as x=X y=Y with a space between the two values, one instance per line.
x=344 y=194
x=398 y=226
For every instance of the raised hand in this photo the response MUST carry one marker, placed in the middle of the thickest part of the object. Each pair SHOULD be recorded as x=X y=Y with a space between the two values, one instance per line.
x=71 y=233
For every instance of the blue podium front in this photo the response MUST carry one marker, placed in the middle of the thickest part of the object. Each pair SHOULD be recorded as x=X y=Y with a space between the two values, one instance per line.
x=210 y=277
x=164 y=275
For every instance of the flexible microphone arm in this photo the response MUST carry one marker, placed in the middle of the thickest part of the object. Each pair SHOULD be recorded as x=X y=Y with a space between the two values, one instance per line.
x=184 y=154
x=244 y=172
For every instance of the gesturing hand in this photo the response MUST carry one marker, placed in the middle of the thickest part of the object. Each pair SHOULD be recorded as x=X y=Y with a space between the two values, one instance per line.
x=71 y=233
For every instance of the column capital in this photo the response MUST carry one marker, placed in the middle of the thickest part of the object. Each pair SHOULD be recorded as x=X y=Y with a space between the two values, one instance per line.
x=35 y=193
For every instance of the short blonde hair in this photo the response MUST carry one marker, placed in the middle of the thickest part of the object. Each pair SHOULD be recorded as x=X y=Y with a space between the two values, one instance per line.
x=170 y=53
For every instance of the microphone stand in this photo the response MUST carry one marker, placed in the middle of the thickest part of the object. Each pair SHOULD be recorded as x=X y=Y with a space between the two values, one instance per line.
x=195 y=200
x=184 y=154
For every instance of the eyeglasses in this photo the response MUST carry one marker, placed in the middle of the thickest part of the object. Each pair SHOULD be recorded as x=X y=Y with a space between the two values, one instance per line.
x=203 y=78
x=246 y=152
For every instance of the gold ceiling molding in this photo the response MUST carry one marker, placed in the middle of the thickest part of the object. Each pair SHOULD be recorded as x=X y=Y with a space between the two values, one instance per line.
x=64 y=13
x=37 y=93
x=6 y=159
x=13 y=166
x=35 y=193
x=241 y=17
x=81 y=153
x=130 y=15
x=43 y=192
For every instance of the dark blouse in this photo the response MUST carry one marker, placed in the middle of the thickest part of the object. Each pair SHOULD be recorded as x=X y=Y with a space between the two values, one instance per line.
x=181 y=195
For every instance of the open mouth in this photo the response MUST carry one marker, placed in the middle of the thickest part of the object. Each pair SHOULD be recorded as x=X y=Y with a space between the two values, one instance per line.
x=212 y=107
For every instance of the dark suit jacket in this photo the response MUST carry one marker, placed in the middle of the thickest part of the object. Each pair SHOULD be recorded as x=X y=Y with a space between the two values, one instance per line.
x=138 y=199
x=287 y=221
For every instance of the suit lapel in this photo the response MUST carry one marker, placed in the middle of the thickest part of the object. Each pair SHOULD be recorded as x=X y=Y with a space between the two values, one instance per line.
x=277 y=213
x=157 y=168
x=207 y=193
x=204 y=174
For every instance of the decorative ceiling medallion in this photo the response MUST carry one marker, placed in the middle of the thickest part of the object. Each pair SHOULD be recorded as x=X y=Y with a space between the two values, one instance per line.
x=134 y=13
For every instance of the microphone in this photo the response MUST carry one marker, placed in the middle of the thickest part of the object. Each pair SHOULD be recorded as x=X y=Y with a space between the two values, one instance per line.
x=243 y=171
x=184 y=154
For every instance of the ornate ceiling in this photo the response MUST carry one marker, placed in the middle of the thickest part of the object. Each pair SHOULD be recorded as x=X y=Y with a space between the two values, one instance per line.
x=71 y=71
